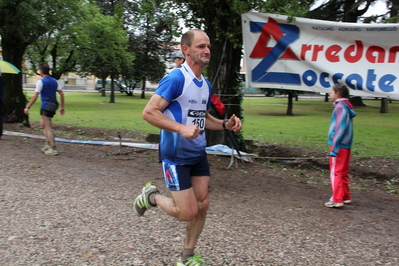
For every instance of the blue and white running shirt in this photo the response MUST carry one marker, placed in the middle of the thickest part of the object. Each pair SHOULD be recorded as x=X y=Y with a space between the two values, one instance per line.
x=47 y=87
x=189 y=99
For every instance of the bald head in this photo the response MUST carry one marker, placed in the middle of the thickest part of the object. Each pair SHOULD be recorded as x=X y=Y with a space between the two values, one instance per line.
x=187 y=38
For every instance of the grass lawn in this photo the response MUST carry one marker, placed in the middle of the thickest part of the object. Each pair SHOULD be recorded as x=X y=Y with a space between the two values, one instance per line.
x=374 y=133
x=264 y=120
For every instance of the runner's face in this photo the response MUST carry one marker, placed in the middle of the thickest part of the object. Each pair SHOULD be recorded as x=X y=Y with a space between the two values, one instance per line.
x=199 y=50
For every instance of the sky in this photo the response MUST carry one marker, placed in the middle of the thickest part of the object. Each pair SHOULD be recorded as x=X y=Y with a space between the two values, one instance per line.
x=378 y=7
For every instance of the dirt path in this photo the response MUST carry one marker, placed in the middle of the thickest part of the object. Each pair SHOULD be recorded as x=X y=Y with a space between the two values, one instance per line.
x=75 y=209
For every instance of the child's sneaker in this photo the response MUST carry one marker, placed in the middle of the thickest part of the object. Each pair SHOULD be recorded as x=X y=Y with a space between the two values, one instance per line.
x=194 y=260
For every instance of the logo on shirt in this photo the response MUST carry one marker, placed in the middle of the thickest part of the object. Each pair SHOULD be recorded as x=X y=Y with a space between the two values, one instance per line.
x=196 y=113
x=193 y=101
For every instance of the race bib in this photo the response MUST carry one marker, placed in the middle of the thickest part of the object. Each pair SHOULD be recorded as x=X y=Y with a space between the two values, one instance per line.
x=196 y=117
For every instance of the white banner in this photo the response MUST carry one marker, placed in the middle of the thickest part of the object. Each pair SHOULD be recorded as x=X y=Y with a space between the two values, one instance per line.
x=313 y=55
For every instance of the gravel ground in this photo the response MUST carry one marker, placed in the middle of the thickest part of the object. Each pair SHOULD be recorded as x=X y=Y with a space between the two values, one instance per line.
x=76 y=209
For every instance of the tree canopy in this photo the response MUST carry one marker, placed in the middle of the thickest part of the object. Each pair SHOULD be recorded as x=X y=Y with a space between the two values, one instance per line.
x=21 y=24
x=59 y=45
x=102 y=48
x=153 y=27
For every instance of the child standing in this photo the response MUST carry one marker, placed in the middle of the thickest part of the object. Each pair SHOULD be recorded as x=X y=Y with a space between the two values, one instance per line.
x=340 y=137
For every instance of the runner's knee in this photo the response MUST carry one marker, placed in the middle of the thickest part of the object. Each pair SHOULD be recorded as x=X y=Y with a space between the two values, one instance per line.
x=203 y=204
x=187 y=215
x=191 y=213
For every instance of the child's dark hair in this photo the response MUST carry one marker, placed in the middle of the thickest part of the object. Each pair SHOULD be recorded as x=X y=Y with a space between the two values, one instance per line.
x=342 y=90
x=45 y=69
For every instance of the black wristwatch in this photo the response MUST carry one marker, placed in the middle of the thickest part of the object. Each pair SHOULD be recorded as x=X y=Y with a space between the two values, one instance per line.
x=224 y=123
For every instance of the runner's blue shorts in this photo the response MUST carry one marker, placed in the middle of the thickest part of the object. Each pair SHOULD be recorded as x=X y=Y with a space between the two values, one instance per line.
x=178 y=177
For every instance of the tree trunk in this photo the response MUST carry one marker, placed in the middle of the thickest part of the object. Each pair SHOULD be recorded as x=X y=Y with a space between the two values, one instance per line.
x=223 y=73
x=384 y=105
x=326 y=97
x=290 y=104
x=112 y=96
x=352 y=11
x=143 y=81
x=356 y=101
x=103 y=88
x=394 y=11
x=14 y=96
x=215 y=136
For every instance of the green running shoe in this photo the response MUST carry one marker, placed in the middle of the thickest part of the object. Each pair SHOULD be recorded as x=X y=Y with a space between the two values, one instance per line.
x=45 y=148
x=194 y=260
x=142 y=202
x=51 y=151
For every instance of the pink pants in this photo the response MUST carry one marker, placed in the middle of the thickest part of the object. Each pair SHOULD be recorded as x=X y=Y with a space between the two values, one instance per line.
x=339 y=169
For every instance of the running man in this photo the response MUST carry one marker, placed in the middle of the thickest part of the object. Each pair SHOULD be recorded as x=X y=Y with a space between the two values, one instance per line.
x=179 y=108
x=47 y=88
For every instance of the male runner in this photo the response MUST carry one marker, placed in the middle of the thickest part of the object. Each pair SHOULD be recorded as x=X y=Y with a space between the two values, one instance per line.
x=179 y=108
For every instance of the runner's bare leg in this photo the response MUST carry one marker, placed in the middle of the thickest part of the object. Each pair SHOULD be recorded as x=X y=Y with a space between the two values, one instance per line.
x=48 y=131
x=189 y=205
x=195 y=226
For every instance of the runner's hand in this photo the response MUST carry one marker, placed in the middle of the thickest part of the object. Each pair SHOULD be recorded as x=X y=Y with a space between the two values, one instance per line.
x=234 y=123
x=190 y=132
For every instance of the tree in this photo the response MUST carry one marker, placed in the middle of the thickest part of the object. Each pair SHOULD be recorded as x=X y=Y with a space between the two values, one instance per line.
x=21 y=23
x=326 y=97
x=345 y=11
x=222 y=23
x=103 y=48
x=58 y=45
x=393 y=14
x=393 y=6
x=341 y=10
x=153 y=27
x=384 y=106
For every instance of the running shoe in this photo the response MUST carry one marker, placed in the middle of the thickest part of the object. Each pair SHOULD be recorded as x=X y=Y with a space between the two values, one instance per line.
x=45 y=148
x=142 y=202
x=51 y=152
x=331 y=204
x=194 y=260
x=348 y=201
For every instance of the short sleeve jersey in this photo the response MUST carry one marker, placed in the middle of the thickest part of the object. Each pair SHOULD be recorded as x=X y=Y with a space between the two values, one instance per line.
x=189 y=99
x=47 y=87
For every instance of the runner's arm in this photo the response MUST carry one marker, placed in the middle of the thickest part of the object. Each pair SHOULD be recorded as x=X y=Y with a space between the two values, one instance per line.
x=62 y=101
x=152 y=113
x=31 y=102
x=234 y=123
